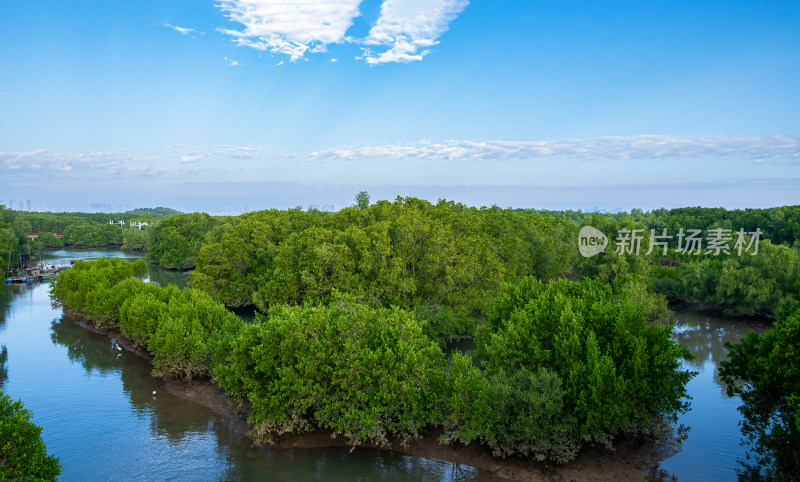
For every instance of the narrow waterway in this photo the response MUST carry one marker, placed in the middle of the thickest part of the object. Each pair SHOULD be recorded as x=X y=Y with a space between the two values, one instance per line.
x=103 y=421
x=712 y=451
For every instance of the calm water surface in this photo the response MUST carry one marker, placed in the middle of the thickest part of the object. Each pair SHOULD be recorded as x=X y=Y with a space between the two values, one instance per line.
x=713 y=450
x=102 y=420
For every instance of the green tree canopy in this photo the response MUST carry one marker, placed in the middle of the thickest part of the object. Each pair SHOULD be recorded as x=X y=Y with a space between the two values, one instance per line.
x=175 y=241
x=765 y=371
x=23 y=455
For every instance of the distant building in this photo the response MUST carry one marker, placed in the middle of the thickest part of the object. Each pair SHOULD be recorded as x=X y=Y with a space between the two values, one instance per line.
x=36 y=235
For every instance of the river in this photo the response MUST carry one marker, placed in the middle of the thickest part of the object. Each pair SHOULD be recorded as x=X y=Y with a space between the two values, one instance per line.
x=103 y=421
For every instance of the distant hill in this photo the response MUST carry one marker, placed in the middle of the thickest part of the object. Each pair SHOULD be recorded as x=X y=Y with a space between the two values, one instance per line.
x=158 y=210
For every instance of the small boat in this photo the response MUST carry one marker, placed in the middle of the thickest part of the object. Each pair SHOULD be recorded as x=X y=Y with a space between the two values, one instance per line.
x=39 y=273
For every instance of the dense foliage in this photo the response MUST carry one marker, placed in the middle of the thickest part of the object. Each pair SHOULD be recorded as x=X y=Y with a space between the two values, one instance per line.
x=87 y=229
x=765 y=371
x=761 y=284
x=176 y=327
x=175 y=241
x=629 y=274
x=93 y=234
x=48 y=240
x=59 y=222
x=91 y=287
x=23 y=455
x=444 y=261
x=781 y=225
x=562 y=363
x=134 y=239
x=599 y=366
x=159 y=210
x=747 y=284
x=365 y=373
x=13 y=242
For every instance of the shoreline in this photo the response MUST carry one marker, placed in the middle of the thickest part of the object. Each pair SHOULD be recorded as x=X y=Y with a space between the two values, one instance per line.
x=718 y=311
x=626 y=462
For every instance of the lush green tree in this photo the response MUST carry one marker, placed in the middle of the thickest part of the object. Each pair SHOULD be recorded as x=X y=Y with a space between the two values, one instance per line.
x=638 y=289
x=530 y=416
x=760 y=284
x=175 y=241
x=87 y=285
x=134 y=239
x=443 y=261
x=92 y=235
x=49 y=241
x=179 y=328
x=181 y=345
x=141 y=311
x=362 y=372
x=23 y=455
x=466 y=402
x=765 y=371
x=618 y=372
x=14 y=244
x=159 y=210
x=362 y=200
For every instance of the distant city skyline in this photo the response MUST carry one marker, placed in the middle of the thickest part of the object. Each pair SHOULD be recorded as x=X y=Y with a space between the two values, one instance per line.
x=203 y=105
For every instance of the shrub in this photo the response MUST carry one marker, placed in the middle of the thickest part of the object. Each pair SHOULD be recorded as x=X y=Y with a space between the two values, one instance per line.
x=605 y=365
x=362 y=372
x=23 y=455
x=180 y=344
x=765 y=371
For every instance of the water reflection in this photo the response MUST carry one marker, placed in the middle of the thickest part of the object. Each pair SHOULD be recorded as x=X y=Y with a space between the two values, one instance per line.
x=712 y=451
x=166 y=277
x=3 y=371
x=102 y=420
x=705 y=335
x=183 y=424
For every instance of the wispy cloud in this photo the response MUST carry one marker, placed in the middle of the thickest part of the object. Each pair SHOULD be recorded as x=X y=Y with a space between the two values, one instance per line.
x=289 y=27
x=44 y=163
x=232 y=63
x=193 y=154
x=776 y=148
x=410 y=28
x=181 y=30
x=403 y=32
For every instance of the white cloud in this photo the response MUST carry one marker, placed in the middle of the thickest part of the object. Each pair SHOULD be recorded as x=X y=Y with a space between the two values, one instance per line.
x=403 y=32
x=289 y=27
x=219 y=151
x=409 y=27
x=776 y=148
x=232 y=63
x=181 y=30
x=42 y=162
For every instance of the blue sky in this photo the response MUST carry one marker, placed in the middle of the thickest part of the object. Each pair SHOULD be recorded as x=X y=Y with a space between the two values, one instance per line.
x=202 y=105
